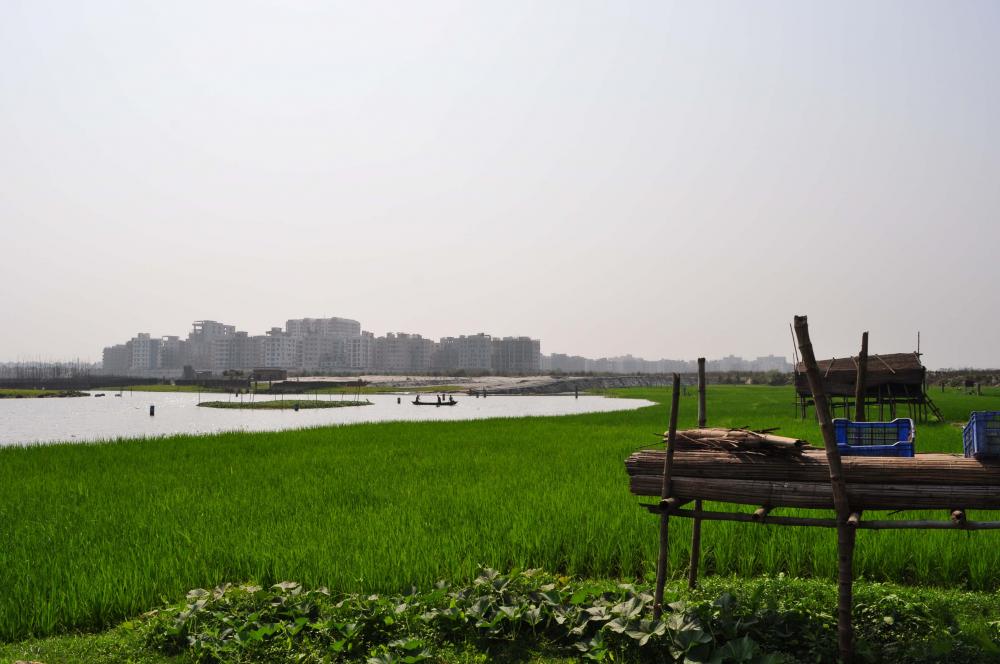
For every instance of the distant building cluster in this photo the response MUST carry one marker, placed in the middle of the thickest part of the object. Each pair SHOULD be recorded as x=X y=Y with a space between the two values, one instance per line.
x=317 y=345
x=339 y=345
x=627 y=364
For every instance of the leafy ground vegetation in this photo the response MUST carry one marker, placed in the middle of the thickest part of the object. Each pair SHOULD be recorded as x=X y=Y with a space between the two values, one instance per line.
x=538 y=617
x=93 y=534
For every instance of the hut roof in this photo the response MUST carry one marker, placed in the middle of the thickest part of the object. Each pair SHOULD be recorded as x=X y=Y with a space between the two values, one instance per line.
x=890 y=364
x=898 y=373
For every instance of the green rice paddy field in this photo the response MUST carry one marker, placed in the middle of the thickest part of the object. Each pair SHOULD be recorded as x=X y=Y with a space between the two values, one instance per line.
x=92 y=534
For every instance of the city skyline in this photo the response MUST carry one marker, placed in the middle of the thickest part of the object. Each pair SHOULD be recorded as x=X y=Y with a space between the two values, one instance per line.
x=337 y=344
x=316 y=345
x=95 y=357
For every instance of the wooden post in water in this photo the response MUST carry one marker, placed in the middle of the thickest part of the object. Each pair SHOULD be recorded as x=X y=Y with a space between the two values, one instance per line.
x=696 y=522
x=668 y=462
x=862 y=379
x=845 y=533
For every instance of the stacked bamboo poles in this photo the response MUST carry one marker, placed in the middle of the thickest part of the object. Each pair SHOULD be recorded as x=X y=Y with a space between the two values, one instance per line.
x=811 y=466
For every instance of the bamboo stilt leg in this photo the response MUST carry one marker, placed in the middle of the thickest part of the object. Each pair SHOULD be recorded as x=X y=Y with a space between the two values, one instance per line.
x=845 y=591
x=662 y=560
x=696 y=522
x=695 y=547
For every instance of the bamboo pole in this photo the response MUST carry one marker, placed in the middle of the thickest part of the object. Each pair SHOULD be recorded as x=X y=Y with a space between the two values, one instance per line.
x=695 y=547
x=696 y=524
x=701 y=393
x=845 y=534
x=818 y=495
x=662 y=560
x=861 y=381
x=886 y=524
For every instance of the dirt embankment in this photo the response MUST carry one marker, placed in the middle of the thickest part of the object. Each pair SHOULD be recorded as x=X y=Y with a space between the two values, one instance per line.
x=572 y=384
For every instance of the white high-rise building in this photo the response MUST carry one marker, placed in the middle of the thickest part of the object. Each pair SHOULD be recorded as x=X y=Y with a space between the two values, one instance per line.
x=516 y=355
x=278 y=350
x=359 y=352
x=327 y=327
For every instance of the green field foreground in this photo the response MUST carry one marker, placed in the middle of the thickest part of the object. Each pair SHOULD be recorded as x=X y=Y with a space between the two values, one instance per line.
x=95 y=533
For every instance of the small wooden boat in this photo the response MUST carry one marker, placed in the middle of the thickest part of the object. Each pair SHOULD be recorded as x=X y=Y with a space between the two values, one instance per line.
x=435 y=403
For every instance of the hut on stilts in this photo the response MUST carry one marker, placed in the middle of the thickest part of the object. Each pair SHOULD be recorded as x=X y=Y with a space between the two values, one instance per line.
x=772 y=472
x=895 y=385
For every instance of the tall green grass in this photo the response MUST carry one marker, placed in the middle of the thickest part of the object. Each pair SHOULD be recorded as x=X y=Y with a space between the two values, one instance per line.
x=93 y=533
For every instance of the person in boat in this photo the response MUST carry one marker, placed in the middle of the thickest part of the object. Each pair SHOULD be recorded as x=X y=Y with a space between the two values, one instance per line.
x=418 y=399
x=451 y=399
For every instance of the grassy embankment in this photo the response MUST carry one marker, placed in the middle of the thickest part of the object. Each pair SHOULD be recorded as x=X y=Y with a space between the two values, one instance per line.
x=161 y=388
x=97 y=533
x=11 y=393
x=291 y=404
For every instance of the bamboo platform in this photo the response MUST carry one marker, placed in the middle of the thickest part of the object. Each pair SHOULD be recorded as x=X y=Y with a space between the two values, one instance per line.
x=758 y=468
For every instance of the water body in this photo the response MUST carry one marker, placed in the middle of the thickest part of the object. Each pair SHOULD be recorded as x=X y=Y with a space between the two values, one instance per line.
x=83 y=419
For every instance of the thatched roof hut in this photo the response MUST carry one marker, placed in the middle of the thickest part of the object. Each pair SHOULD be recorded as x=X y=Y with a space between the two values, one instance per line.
x=893 y=375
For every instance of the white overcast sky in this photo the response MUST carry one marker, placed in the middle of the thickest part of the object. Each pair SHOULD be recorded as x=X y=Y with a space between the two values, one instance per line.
x=663 y=179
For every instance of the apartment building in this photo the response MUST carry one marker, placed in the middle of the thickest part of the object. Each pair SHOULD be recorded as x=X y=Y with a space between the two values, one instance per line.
x=236 y=351
x=278 y=350
x=341 y=328
x=359 y=352
x=516 y=355
x=321 y=352
x=402 y=353
x=200 y=341
x=465 y=353
x=145 y=352
x=116 y=360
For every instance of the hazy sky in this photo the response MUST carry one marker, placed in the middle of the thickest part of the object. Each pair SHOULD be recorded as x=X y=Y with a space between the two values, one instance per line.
x=664 y=179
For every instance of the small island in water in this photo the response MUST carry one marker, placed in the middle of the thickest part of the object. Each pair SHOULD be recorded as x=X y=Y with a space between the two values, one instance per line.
x=292 y=404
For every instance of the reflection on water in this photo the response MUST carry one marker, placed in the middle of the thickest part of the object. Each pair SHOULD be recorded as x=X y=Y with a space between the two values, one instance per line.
x=108 y=417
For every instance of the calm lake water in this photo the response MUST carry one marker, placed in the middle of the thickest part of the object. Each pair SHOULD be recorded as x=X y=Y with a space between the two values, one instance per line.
x=101 y=418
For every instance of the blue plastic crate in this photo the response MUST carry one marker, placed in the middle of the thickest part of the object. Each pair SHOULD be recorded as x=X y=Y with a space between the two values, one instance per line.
x=981 y=436
x=894 y=438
